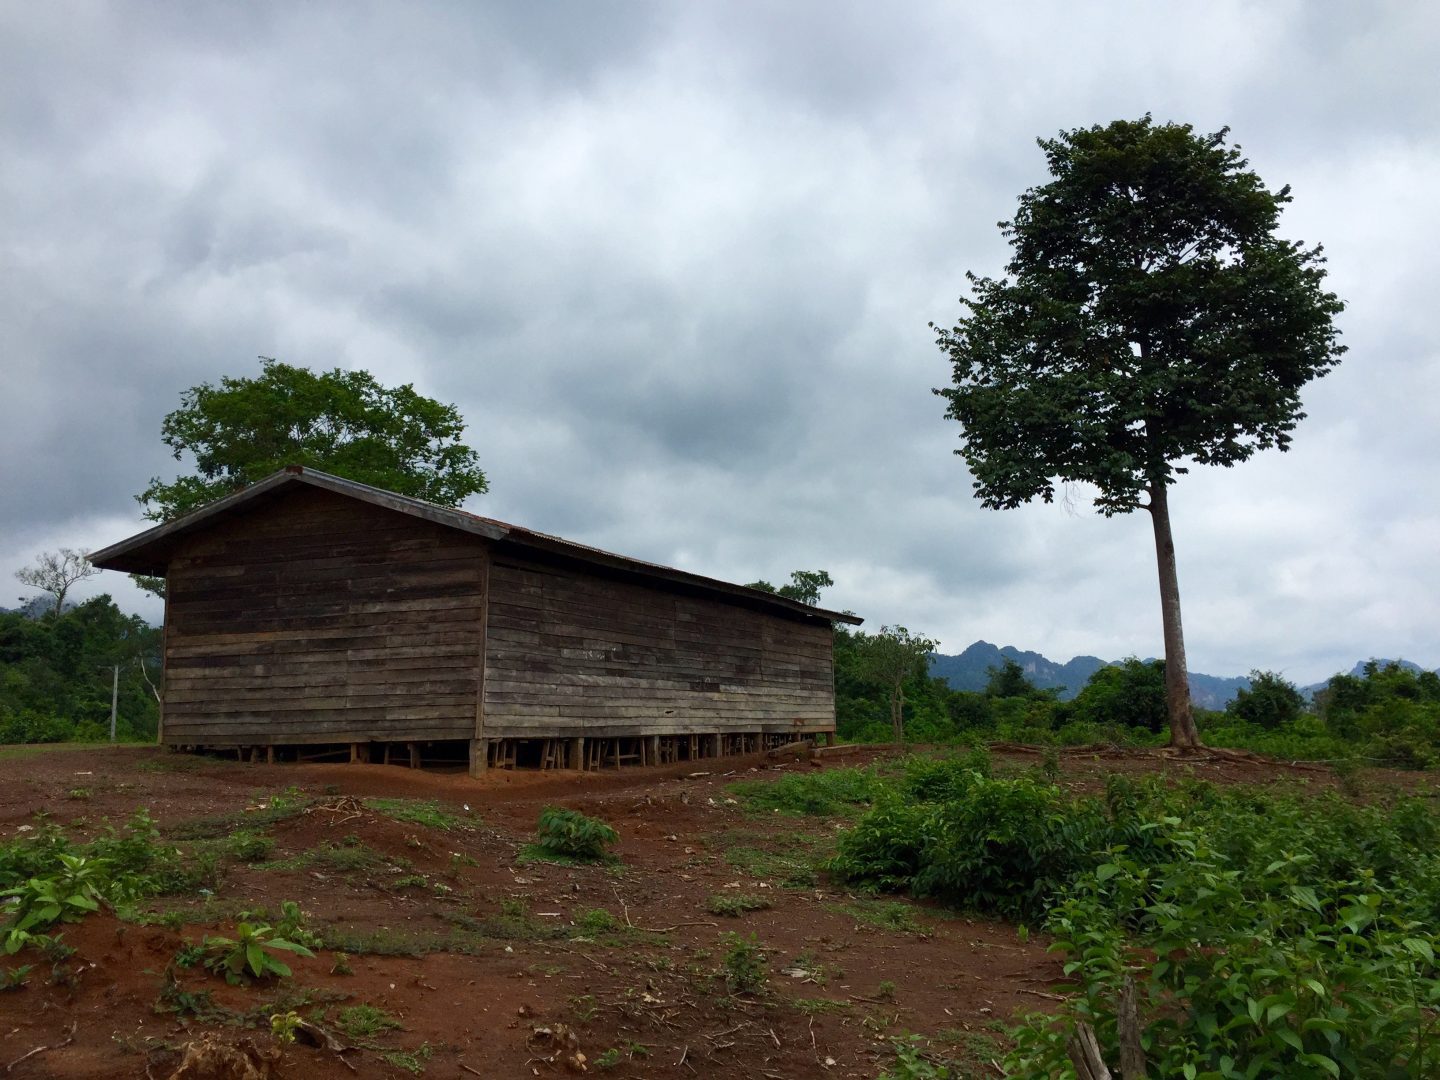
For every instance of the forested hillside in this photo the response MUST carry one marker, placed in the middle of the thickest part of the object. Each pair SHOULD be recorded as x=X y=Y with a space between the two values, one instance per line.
x=57 y=672
x=970 y=670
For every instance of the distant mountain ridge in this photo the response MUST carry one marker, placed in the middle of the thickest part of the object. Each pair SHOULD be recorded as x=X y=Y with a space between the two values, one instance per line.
x=970 y=670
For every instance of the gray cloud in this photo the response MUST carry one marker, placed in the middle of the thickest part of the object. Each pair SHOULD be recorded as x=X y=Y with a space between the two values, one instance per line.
x=674 y=264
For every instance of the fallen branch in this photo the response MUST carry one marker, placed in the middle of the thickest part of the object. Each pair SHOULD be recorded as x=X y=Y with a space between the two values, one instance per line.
x=69 y=1038
x=1043 y=994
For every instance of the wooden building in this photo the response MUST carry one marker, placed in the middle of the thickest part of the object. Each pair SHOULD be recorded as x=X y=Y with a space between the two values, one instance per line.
x=309 y=615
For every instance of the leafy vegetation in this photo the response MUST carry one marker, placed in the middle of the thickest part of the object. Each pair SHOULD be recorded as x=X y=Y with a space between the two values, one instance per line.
x=48 y=879
x=250 y=953
x=56 y=674
x=569 y=834
x=344 y=422
x=1267 y=933
x=745 y=967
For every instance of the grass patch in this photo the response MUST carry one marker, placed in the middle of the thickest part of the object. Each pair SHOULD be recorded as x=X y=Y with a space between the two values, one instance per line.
x=786 y=870
x=424 y=812
x=819 y=1006
x=366 y=1021
x=279 y=807
x=889 y=915
x=24 y=750
x=412 y=1061
x=338 y=858
x=735 y=904
x=832 y=793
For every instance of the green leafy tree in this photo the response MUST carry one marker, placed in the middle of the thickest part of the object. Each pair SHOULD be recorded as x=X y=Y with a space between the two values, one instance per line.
x=1009 y=681
x=1131 y=693
x=1270 y=701
x=892 y=657
x=343 y=422
x=805 y=586
x=1151 y=318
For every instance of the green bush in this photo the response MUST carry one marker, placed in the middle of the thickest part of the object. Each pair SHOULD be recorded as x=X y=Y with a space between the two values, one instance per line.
x=1272 y=973
x=570 y=834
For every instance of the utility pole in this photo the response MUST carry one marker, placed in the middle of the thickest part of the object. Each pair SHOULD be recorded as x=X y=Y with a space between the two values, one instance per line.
x=114 y=701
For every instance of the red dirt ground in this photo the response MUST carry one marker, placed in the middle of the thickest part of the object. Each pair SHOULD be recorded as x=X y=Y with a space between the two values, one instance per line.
x=503 y=956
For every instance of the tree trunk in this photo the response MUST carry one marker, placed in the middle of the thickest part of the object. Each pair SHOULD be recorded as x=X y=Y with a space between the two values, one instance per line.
x=897 y=713
x=1183 y=735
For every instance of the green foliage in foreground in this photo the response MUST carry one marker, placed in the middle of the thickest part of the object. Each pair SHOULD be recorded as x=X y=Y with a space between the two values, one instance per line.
x=250 y=954
x=47 y=879
x=1268 y=934
x=569 y=834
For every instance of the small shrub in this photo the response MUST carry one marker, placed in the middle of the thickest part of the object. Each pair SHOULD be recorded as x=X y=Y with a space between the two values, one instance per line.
x=570 y=834
x=1347 y=774
x=248 y=845
x=744 y=965
x=911 y=1063
x=1050 y=764
x=248 y=955
x=596 y=923
x=14 y=978
x=284 y=1025
x=79 y=793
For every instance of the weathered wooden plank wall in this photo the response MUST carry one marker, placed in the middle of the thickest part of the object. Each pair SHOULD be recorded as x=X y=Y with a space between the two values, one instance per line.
x=321 y=619
x=569 y=652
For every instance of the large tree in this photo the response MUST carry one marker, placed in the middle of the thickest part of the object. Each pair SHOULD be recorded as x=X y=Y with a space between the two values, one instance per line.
x=343 y=422
x=1150 y=318
x=892 y=658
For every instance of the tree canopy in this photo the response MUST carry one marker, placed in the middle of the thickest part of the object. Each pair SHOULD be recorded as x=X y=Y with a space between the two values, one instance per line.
x=344 y=422
x=805 y=586
x=1151 y=318
x=892 y=657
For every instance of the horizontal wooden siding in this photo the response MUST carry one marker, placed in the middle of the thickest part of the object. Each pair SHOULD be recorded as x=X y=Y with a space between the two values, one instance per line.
x=571 y=653
x=320 y=619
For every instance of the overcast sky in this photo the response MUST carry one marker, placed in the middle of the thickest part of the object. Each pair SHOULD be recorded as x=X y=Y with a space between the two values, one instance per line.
x=674 y=263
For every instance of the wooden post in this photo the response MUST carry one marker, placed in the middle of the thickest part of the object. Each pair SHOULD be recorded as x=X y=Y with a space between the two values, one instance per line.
x=479 y=757
x=716 y=747
x=359 y=753
x=414 y=748
x=652 y=755
x=270 y=754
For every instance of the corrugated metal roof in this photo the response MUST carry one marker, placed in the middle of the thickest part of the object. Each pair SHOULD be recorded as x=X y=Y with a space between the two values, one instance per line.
x=149 y=552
